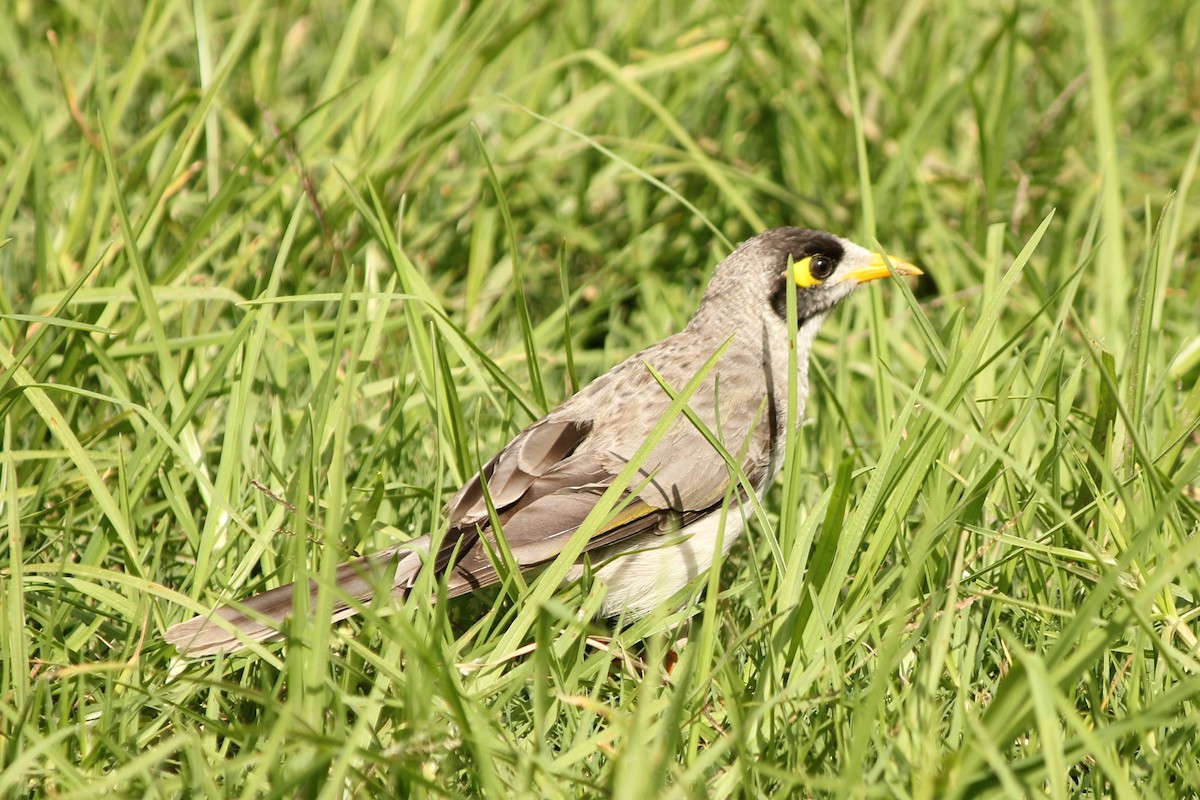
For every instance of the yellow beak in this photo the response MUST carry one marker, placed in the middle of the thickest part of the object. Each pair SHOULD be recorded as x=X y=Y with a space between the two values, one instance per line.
x=878 y=268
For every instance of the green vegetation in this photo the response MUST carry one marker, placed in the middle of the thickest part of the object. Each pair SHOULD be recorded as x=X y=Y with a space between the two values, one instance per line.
x=275 y=278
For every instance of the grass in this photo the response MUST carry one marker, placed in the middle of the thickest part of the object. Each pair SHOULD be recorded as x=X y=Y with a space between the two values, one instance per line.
x=275 y=279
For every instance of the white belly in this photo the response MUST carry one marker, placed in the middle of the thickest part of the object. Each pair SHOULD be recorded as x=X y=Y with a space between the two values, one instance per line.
x=642 y=573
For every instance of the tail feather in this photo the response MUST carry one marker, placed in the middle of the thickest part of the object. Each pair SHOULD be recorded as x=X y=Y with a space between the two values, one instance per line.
x=259 y=618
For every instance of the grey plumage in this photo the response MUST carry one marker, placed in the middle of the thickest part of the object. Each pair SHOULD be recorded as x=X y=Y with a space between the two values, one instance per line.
x=543 y=483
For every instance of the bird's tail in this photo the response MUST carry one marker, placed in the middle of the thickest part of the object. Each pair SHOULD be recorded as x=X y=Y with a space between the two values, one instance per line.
x=259 y=618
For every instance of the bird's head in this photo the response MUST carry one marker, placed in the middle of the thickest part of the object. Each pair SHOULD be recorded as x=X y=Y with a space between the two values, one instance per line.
x=820 y=268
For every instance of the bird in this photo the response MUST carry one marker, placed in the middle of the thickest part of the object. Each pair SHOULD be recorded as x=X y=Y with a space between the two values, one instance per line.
x=683 y=503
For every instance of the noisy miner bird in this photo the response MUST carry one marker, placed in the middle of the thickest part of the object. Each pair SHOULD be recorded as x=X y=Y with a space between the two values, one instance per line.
x=545 y=481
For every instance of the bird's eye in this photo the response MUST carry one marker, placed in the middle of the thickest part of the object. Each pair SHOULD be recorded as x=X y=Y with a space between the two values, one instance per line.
x=811 y=270
x=821 y=267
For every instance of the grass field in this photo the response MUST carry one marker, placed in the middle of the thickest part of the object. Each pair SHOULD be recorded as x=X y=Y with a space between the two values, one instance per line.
x=275 y=278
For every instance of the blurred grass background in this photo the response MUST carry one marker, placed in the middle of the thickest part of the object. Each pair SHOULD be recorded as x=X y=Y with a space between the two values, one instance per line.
x=262 y=304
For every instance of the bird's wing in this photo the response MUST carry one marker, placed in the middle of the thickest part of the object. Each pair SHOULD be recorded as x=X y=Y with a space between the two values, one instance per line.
x=544 y=484
x=513 y=470
x=538 y=526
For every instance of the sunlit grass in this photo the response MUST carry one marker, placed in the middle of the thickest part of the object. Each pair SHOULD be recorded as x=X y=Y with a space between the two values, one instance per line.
x=275 y=280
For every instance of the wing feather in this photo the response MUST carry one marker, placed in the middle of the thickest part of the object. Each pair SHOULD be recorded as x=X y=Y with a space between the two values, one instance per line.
x=510 y=474
x=545 y=483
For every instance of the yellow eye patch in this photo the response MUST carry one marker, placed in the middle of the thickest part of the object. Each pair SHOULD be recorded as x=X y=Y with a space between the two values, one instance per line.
x=802 y=273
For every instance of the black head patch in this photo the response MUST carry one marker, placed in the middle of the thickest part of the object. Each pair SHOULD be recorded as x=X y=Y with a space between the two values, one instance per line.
x=798 y=244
